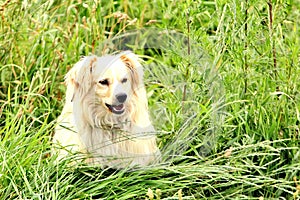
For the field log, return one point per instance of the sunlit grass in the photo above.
(256, 153)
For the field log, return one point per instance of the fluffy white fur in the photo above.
(91, 121)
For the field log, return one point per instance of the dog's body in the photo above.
(106, 113)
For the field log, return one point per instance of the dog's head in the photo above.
(113, 83)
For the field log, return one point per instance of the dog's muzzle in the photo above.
(118, 108)
(121, 97)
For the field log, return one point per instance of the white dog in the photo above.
(106, 113)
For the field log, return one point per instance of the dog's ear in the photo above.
(139, 115)
(70, 80)
(131, 61)
(84, 79)
(79, 78)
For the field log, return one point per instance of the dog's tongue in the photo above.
(118, 107)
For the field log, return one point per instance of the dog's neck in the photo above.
(112, 123)
(106, 126)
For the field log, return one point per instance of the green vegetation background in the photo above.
(255, 48)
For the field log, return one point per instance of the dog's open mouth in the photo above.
(116, 109)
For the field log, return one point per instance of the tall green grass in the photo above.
(256, 153)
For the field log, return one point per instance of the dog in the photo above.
(105, 115)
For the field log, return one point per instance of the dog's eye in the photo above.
(104, 82)
(124, 80)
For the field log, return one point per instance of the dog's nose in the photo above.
(121, 97)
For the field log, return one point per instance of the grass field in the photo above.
(229, 130)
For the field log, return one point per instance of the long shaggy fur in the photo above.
(87, 125)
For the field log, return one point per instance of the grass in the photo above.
(235, 135)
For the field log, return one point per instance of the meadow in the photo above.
(222, 88)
